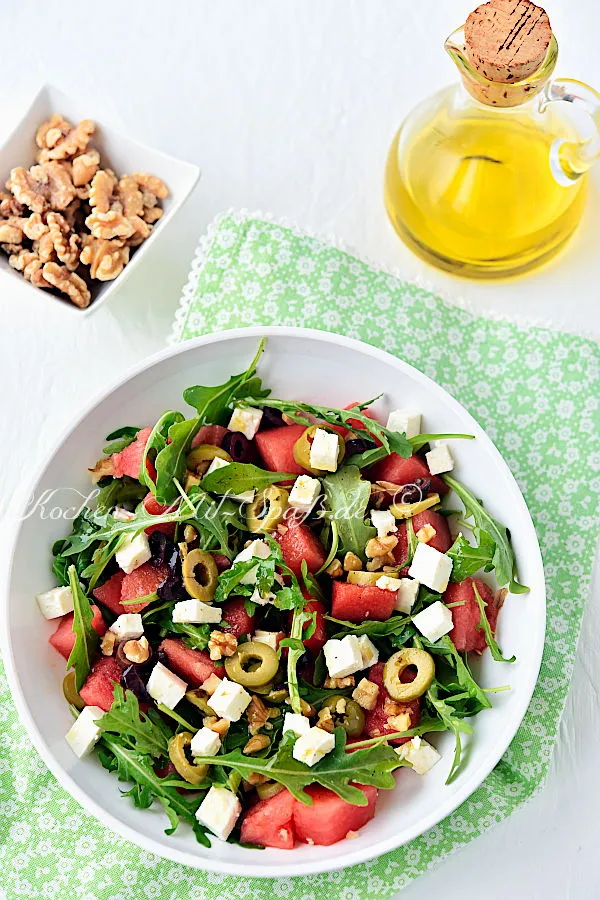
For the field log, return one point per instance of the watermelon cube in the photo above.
(299, 542)
(270, 822)
(376, 720)
(210, 434)
(194, 666)
(404, 471)
(276, 448)
(63, 639)
(129, 460)
(157, 509)
(142, 581)
(109, 594)
(357, 602)
(466, 634)
(316, 642)
(236, 617)
(329, 819)
(442, 539)
(99, 685)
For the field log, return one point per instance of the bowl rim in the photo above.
(310, 867)
(119, 281)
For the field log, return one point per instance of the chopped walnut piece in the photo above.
(137, 651)
(141, 230)
(109, 225)
(339, 683)
(68, 283)
(51, 131)
(108, 642)
(211, 684)
(130, 196)
(70, 144)
(325, 720)
(35, 227)
(392, 707)
(258, 714)
(153, 215)
(66, 244)
(101, 190)
(152, 184)
(352, 562)
(400, 722)
(44, 247)
(104, 468)
(85, 167)
(221, 644)
(220, 726)
(425, 534)
(106, 259)
(44, 186)
(28, 262)
(365, 693)
(11, 248)
(9, 206)
(256, 743)
(11, 230)
(334, 569)
(380, 546)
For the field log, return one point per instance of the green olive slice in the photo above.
(346, 713)
(395, 666)
(205, 453)
(70, 691)
(268, 790)
(198, 698)
(178, 745)
(304, 443)
(200, 574)
(267, 509)
(252, 665)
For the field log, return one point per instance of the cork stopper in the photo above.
(507, 40)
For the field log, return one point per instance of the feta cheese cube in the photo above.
(407, 594)
(246, 420)
(343, 657)
(261, 599)
(219, 811)
(324, 451)
(270, 638)
(304, 493)
(258, 549)
(196, 612)
(434, 621)
(218, 463)
(439, 459)
(368, 650)
(230, 700)
(431, 568)
(165, 686)
(122, 515)
(128, 626)
(134, 552)
(295, 722)
(405, 420)
(311, 747)
(84, 733)
(420, 754)
(387, 583)
(383, 521)
(205, 743)
(55, 603)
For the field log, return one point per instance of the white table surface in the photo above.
(289, 106)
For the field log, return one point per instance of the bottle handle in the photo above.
(570, 160)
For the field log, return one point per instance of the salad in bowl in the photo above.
(270, 607)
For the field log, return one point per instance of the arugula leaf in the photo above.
(239, 477)
(295, 651)
(213, 404)
(194, 636)
(148, 786)
(118, 492)
(212, 520)
(425, 726)
(335, 541)
(504, 561)
(120, 439)
(374, 454)
(468, 559)
(346, 499)
(485, 626)
(85, 527)
(371, 765)
(317, 695)
(445, 647)
(86, 637)
(167, 448)
(302, 413)
(231, 580)
(313, 588)
(392, 626)
(452, 723)
(135, 729)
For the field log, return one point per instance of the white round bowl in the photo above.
(300, 364)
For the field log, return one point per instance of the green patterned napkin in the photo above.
(536, 393)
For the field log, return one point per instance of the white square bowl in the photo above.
(120, 153)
